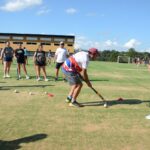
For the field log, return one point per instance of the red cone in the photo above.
(120, 99)
(50, 95)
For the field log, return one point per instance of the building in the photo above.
(31, 41)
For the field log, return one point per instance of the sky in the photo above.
(103, 24)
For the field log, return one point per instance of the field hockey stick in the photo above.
(102, 98)
(98, 94)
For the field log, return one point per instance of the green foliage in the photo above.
(112, 55)
(131, 53)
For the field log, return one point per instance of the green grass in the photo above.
(32, 122)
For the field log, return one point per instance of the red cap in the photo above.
(94, 51)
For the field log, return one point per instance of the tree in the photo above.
(131, 53)
(114, 55)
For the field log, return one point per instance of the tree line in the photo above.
(112, 55)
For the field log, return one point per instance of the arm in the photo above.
(13, 52)
(2, 53)
(14, 55)
(34, 57)
(45, 58)
(85, 77)
(67, 54)
(55, 56)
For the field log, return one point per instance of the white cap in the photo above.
(61, 43)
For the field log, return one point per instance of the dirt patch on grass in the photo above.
(123, 88)
(108, 75)
(95, 127)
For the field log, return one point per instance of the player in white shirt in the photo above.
(75, 69)
(60, 56)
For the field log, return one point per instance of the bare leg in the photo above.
(44, 72)
(18, 65)
(75, 90)
(24, 69)
(38, 71)
(9, 65)
(27, 60)
(5, 68)
(57, 71)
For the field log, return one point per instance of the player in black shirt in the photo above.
(19, 54)
(40, 62)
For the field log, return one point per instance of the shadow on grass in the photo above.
(116, 102)
(94, 80)
(15, 144)
(1, 88)
(94, 103)
(51, 78)
(127, 102)
(44, 85)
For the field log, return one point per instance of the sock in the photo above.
(73, 100)
(69, 97)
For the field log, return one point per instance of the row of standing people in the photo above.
(39, 59)
(74, 68)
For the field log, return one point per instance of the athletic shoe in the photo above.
(56, 79)
(64, 80)
(46, 80)
(8, 76)
(147, 117)
(68, 100)
(4, 76)
(75, 104)
(38, 79)
(27, 77)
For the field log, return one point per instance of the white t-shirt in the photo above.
(82, 58)
(61, 54)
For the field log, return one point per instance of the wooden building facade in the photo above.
(31, 41)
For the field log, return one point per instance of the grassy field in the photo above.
(39, 122)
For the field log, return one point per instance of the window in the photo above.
(2, 42)
(45, 39)
(17, 42)
(17, 38)
(56, 44)
(59, 39)
(70, 40)
(46, 43)
(5, 37)
(31, 38)
(31, 43)
(70, 45)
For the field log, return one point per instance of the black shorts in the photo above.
(41, 64)
(58, 65)
(8, 59)
(21, 61)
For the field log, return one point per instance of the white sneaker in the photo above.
(8, 76)
(19, 77)
(4, 76)
(38, 79)
(147, 117)
(27, 77)
(46, 80)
